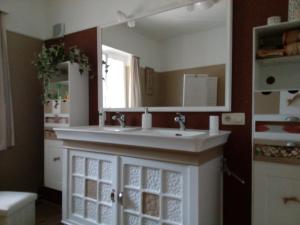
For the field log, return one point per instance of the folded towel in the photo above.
(292, 49)
(291, 36)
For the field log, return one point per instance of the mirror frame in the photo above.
(228, 72)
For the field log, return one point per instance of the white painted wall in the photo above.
(204, 48)
(126, 39)
(195, 50)
(26, 17)
(82, 14)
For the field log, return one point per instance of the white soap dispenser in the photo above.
(146, 120)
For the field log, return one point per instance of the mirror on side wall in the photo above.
(177, 60)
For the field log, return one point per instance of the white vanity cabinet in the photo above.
(117, 190)
(276, 194)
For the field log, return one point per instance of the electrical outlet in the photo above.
(233, 118)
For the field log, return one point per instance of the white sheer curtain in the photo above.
(134, 83)
(6, 112)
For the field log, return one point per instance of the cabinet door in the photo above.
(53, 164)
(276, 190)
(92, 188)
(154, 193)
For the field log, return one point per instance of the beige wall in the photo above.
(21, 168)
(168, 86)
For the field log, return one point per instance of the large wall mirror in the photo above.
(176, 60)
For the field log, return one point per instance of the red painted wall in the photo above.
(246, 15)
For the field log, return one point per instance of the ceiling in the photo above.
(183, 21)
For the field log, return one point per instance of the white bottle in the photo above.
(146, 120)
(213, 125)
(102, 118)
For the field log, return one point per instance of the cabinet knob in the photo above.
(120, 198)
(286, 200)
(56, 159)
(112, 195)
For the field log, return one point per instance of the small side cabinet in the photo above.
(276, 194)
(53, 164)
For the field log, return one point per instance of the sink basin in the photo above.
(156, 138)
(172, 132)
(118, 129)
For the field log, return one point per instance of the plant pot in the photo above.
(56, 106)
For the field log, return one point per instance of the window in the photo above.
(114, 70)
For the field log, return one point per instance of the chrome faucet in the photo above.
(180, 118)
(120, 118)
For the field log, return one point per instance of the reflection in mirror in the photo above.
(177, 58)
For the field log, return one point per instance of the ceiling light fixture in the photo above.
(122, 17)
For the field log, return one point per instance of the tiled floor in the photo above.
(48, 213)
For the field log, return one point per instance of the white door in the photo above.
(92, 188)
(276, 194)
(154, 193)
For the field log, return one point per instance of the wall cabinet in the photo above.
(276, 123)
(276, 194)
(69, 108)
(117, 190)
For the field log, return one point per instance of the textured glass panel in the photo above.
(77, 206)
(130, 219)
(104, 192)
(92, 168)
(151, 204)
(132, 200)
(151, 179)
(78, 165)
(91, 210)
(106, 170)
(91, 189)
(105, 215)
(172, 183)
(172, 209)
(78, 185)
(149, 222)
(132, 176)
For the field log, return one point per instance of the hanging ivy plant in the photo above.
(48, 59)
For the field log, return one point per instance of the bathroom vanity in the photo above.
(174, 180)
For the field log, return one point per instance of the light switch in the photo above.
(233, 118)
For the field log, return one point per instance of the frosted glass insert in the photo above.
(104, 192)
(78, 185)
(149, 222)
(172, 183)
(91, 210)
(151, 179)
(92, 168)
(132, 176)
(106, 170)
(132, 200)
(77, 206)
(78, 165)
(130, 219)
(172, 209)
(105, 215)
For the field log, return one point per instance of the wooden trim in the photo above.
(277, 160)
(148, 153)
